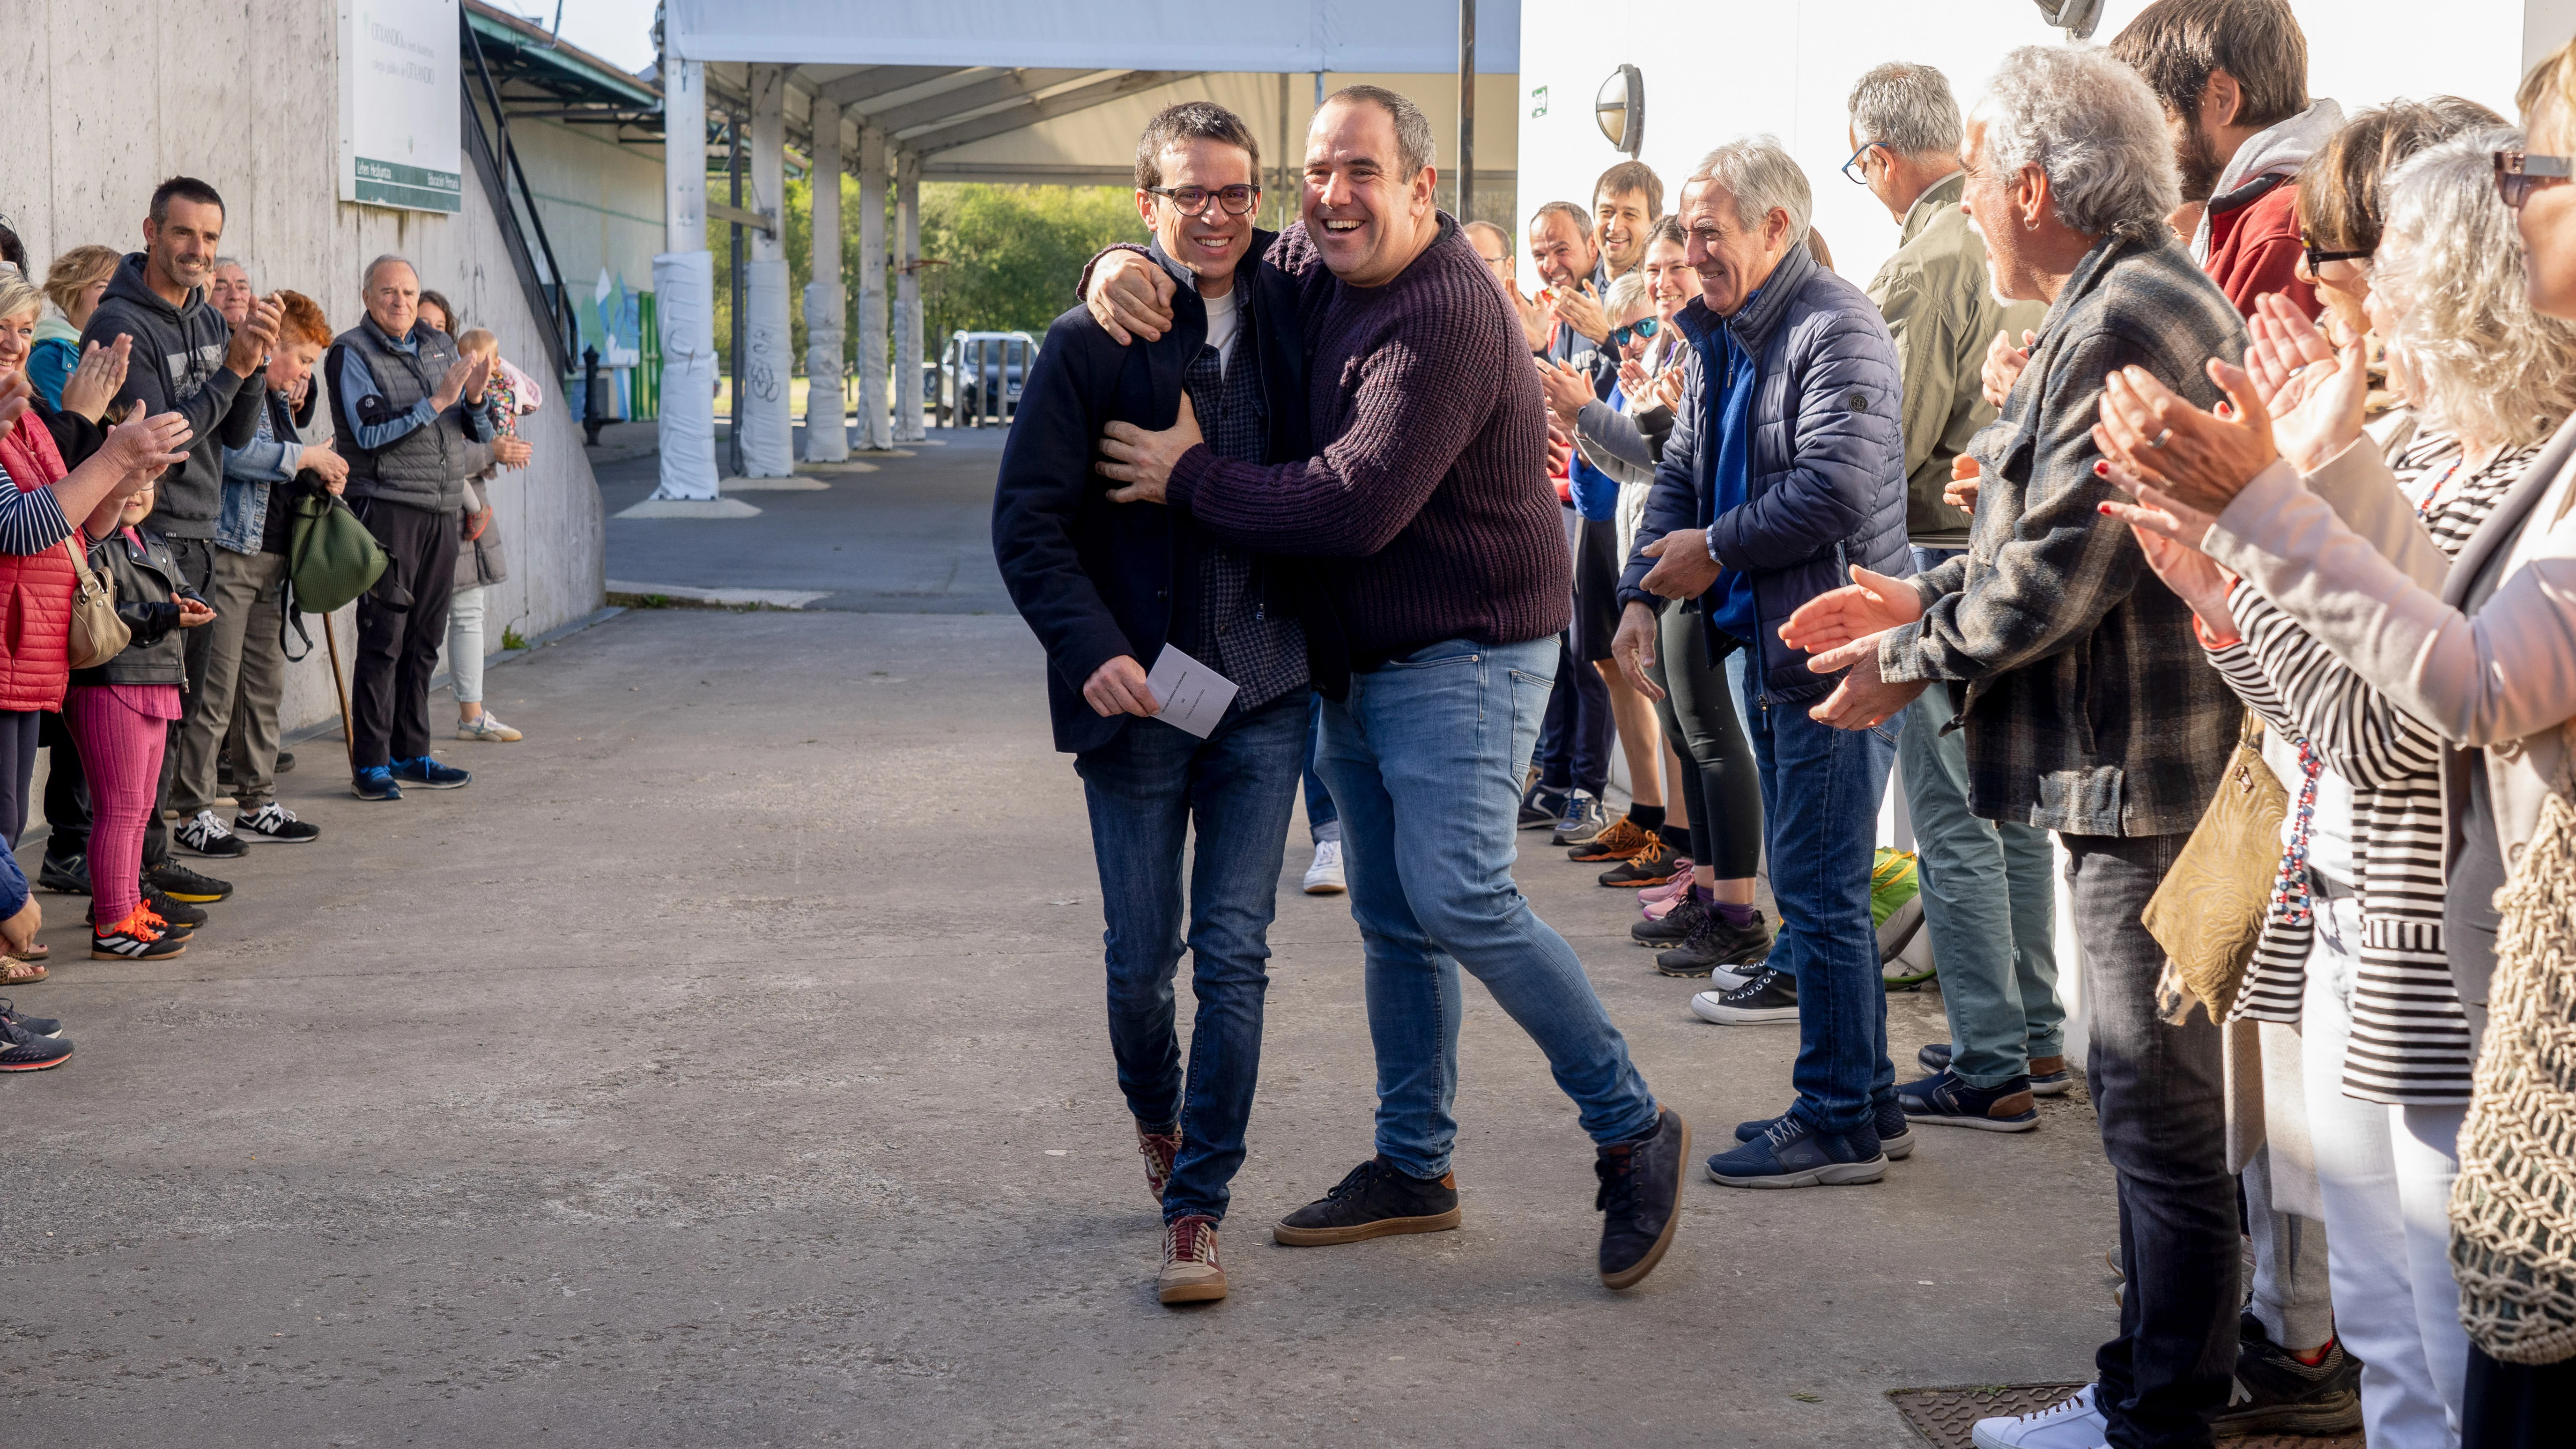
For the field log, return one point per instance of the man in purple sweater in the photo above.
(1446, 562)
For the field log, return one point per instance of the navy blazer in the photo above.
(1096, 579)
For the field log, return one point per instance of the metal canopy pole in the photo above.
(1466, 111)
(733, 262)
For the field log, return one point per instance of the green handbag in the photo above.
(331, 558)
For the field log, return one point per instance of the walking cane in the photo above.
(348, 736)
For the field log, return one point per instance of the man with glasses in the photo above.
(1109, 590)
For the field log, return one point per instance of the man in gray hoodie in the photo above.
(186, 360)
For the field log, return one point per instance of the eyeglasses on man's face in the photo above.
(1237, 200)
(1856, 170)
(1642, 327)
(2518, 174)
(2318, 257)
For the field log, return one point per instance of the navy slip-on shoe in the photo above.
(1793, 1155)
(1895, 1137)
(1946, 1101)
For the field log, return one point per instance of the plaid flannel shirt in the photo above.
(2089, 704)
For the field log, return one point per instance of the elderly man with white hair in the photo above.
(1785, 462)
(2089, 708)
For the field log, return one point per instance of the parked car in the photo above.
(979, 375)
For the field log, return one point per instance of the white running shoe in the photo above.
(484, 727)
(1324, 877)
(2072, 1424)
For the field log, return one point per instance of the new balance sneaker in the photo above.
(1654, 864)
(273, 821)
(2067, 1424)
(1946, 1101)
(2274, 1393)
(1191, 1273)
(1672, 928)
(1641, 1188)
(1791, 1154)
(22, 1050)
(1540, 808)
(1618, 840)
(206, 835)
(486, 728)
(1718, 942)
(1374, 1200)
(66, 874)
(182, 916)
(1583, 819)
(1159, 1149)
(1770, 996)
(426, 772)
(138, 937)
(182, 884)
(39, 1025)
(375, 782)
(2049, 1076)
(1895, 1135)
(1324, 877)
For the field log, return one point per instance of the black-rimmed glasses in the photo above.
(1193, 200)
(1642, 327)
(2518, 174)
(1860, 176)
(2318, 258)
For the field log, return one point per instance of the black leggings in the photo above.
(1719, 785)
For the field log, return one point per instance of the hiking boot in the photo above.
(1674, 927)
(1792, 1154)
(136, 938)
(1718, 942)
(182, 884)
(1191, 1273)
(2067, 1424)
(1375, 1200)
(1159, 1149)
(1945, 1100)
(2049, 1076)
(1651, 866)
(206, 835)
(375, 782)
(486, 728)
(1639, 1200)
(1618, 840)
(1769, 996)
(181, 916)
(67, 875)
(1895, 1134)
(22, 1050)
(37, 1025)
(1583, 819)
(2274, 1393)
(1324, 877)
(273, 821)
(427, 773)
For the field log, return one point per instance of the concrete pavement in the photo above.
(726, 1067)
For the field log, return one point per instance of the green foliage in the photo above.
(511, 638)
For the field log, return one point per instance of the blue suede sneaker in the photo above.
(2049, 1076)
(426, 772)
(1946, 1101)
(1895, 1137)
(1791, 1154)
(375, 782)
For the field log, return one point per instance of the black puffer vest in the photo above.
(425, 468)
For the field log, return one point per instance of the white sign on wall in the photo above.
(399, 119)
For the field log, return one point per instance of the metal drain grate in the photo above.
(1944, 1416)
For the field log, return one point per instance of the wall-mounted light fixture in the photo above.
(2076, 17)
(1621, 109)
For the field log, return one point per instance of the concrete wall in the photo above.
(601, 203)
(100, 102)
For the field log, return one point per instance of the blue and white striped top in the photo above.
(29, 522)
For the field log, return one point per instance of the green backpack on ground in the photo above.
(331, 558)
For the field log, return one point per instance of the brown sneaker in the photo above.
(1159, 1149)
(1618, 840)
(1190, 1273)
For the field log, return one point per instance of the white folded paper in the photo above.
(1193, 696)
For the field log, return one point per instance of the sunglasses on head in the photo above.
(2518, 174)
(2317, 258)
(1642, 327)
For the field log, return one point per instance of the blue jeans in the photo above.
(1323, 822)
(1989, 901)
(1145, 789)
(1424, 760)
(1820, 792)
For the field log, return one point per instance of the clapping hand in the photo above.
(16, 395)
(248, 351)
(1869, 605)
(2199, 459)
(1537, 314)
(194, 612)
(2314, 392)
(1566, 391)
(142, 446)
(2004, 364)
(1579, 307)
(1967, 477)
(464, 378)
(93, 384)
(1683, 569)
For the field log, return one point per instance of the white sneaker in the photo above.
(484, 727)
(2073, 1424)
(1324, 877)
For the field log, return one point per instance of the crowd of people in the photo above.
(168, 454)
(1805, 535)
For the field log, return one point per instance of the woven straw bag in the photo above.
(2513, 1211)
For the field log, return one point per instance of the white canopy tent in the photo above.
(1001, 90)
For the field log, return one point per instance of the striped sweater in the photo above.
(2410, 1042)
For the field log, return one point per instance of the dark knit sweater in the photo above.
(1430, 501)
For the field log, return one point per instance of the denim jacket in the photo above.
(251, 474)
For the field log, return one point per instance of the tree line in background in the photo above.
(997, 258)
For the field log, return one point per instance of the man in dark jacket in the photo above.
(408, 415)
(186, 359)
(1786, 465)
(1111, 591)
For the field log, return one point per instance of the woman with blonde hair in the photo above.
(74, 283)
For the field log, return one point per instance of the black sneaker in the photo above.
(182, 884)
(206, 835)
(2274, 1393)
(182, 917)
(24, 1051)
(1639, 1200)
(273, 821)
(40, 1025)
(1674, 928)
(1651, 866)
(1376, 1200)
(1770, 996)
(1540, 808)
(136, 938)
(1793, 1155)
(1895, 1134)
(1718, 942)
(66, 875)
(285, 762)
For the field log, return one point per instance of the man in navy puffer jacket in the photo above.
(1785, 467)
